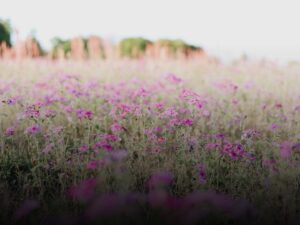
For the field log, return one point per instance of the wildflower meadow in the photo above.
(136, 141)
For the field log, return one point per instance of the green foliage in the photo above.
(177, 45)
(133, 47)
(5, 32)
(59, 43)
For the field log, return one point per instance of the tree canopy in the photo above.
(5, 32)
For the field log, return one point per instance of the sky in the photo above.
(225, 28)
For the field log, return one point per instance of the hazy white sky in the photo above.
(228, 28)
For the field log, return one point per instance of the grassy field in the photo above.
(145, 142)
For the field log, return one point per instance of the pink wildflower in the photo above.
(173, 79)
(286, 149)
(48, 148)
(10, 131)
(81, 113)
(202, 174)
(116, 127)
(187, 122)
(85, 190)
(274, 127)
(83, 148)
(34, 129)
(92, 165)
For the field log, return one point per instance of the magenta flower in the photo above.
(110, 137)
(11, 101)
(234, 151)
(116, 127)
(141, 92)
(50, 113)
(84, 191)
(187, 122)
(88, 114)
(48, 148)
(202, 174)
(34, 129)
(172, 78)
(158, 105)
(220, 136)
(286, 149)
(92, 165)
(83, 148)
(211, 146)
(102, 144)
(170, 112)
(297, 108)
(10, 131)
(278, 105)
(84, 114)
(274, 127)
(296, 146)
(250, 133)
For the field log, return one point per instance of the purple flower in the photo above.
(11, 101)
(107, 147)
(278, 105)
(286, 149)
(26, 208)
(34, 129)
(109, 137)
(234, 151)
(116, 127)
(103, 144)
(202, 174)
(92, 165)
(83, 148)
(50, 113)
(48, 148)
(220, 136)
(274, 127)
(172, 78)
(81, 114)
(250, 133)
(84, 190)
(10, 131)
(297, 108)
(211, 146)
(187, 122)
(296, 146)
(170, 112)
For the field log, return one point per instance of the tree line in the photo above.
(94, 47)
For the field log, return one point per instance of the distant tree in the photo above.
(58, 43)
(5, 32)
(133, 47)
(32, 37)
(175, 46)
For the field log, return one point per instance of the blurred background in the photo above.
(229, 30)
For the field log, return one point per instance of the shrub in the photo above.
(133, 47)
(175, 46)
(59, 43)
(5, 32)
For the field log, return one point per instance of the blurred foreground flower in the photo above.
(34, 129)
(25, 209)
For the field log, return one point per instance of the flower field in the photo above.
(148, 142)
